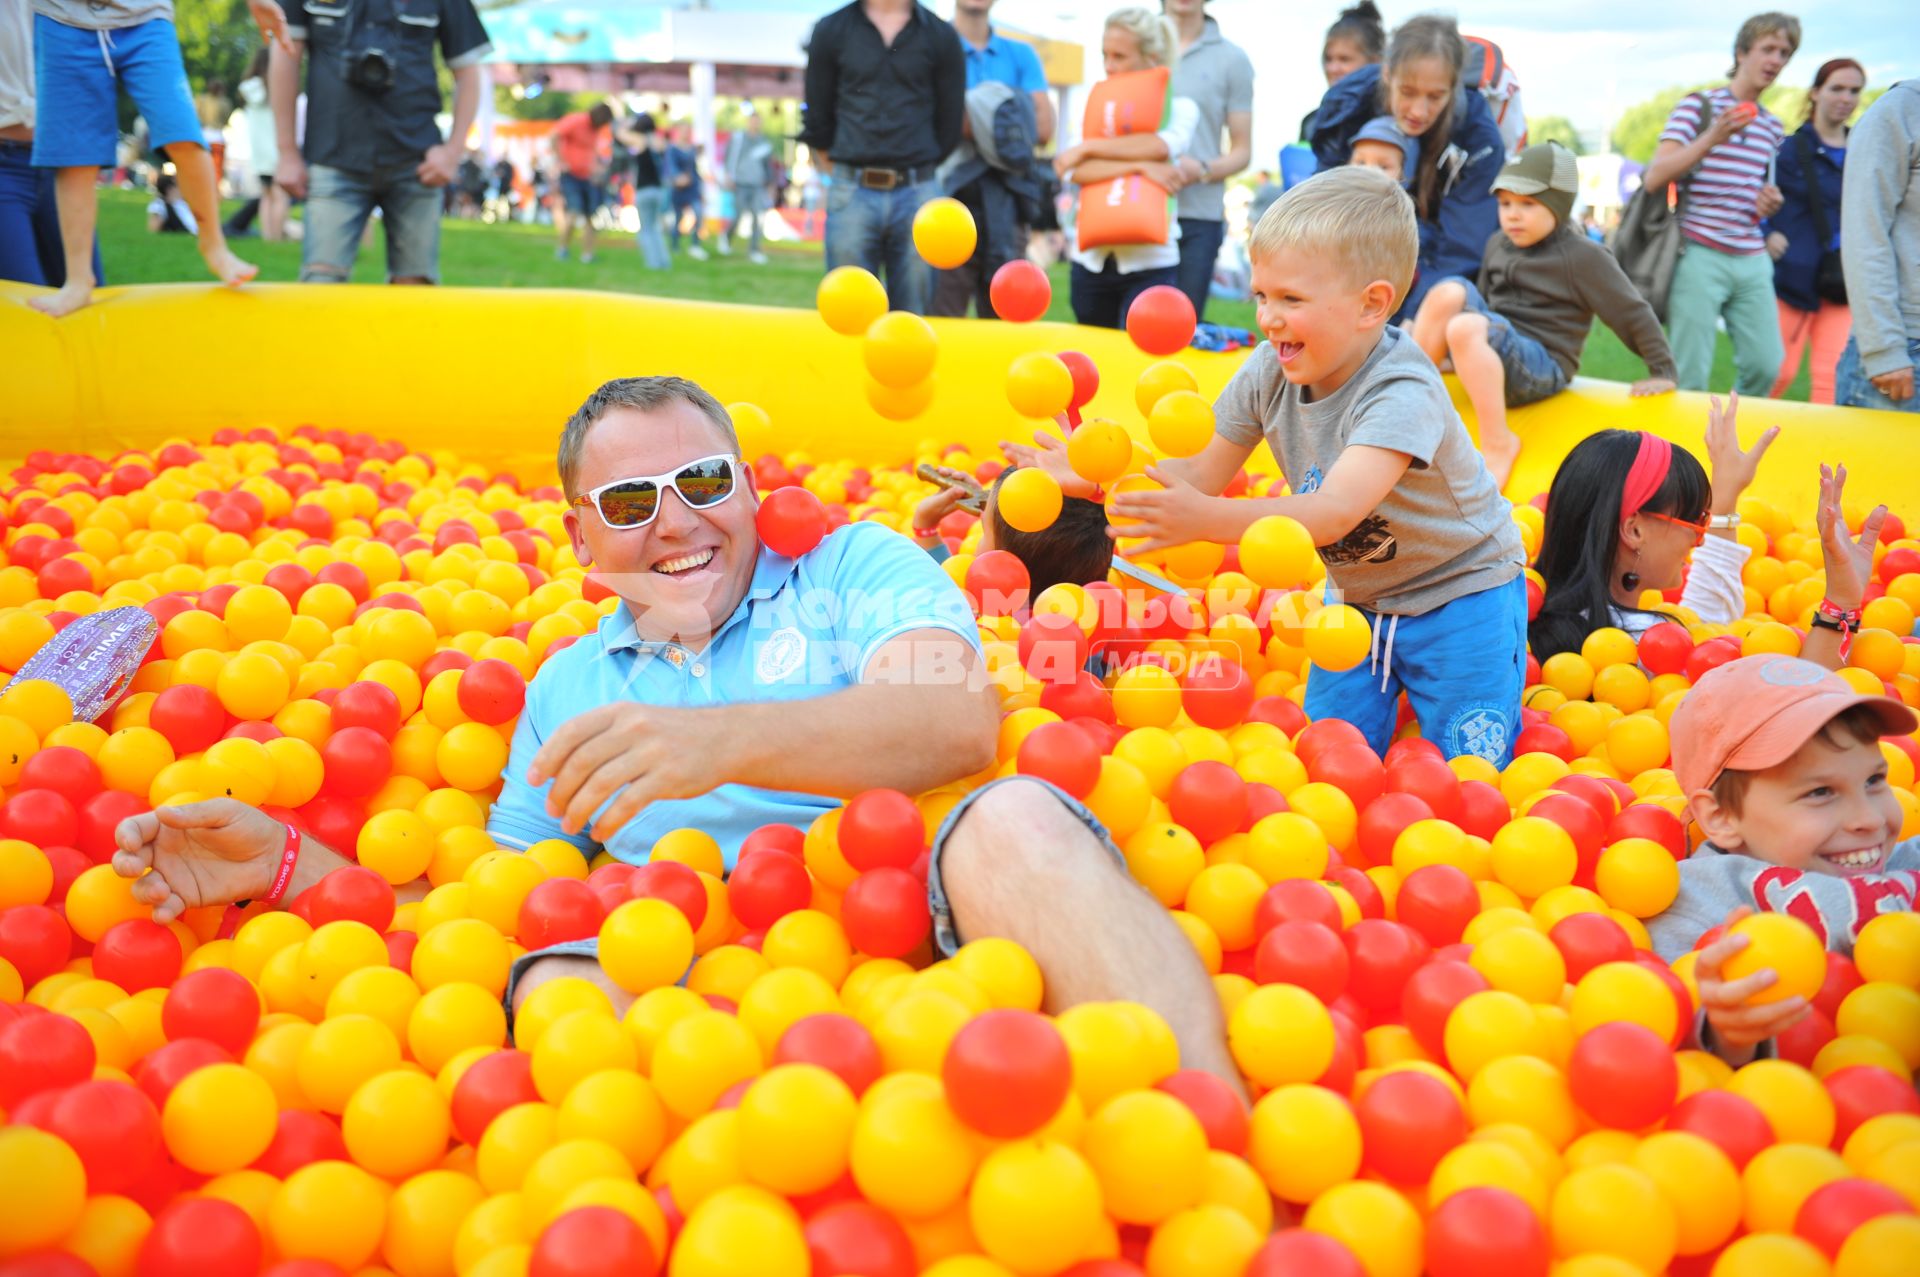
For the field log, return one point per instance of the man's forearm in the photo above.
(1134, 146)
(910, 738)
(466, 103)
(283, 93)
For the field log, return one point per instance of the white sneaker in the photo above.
(586, 259)
(697, 253)
(724, 245)
(758, 259)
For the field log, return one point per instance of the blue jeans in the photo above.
(581, 194)
(650, 202)
(1532, 373)
(1852, 389)
(339, 203)
(30, 244)
(1101, 299)
(1463, 665)
(1200, 240)
(874, 230)
(684, 198)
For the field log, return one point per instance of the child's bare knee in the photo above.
(1466, 330)
(1445, 297)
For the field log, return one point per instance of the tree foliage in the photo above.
(1554, 128)
(217, 40)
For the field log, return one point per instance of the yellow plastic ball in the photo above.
(849, 299)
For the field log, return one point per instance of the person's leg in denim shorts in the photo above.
(339, 203)
(1852, 388)
(1020, 859)
(411, 211)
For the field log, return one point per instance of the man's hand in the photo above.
(1739, 1027)
(440, 165)
(1848, 562)
(1723, 126)
(1049, 453)
(1776, 245)
(1168, 177)
(290, 174)
(1769, 201)
(1896, 385)
(272, 21)
(1733, 466)
(206, 853)
(1650, 386)
(1175, 515)
(639, 753)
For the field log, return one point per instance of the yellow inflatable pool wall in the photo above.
(492, 374)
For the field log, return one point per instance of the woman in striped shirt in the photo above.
(1722, 144)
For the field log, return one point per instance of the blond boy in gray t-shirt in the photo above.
(1382, 473)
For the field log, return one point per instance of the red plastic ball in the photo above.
(1710, 656)
(1209, 798)
(114, 1128)
(1086, 379)
(351, 894)
(42, 1053)
(791, 521)
(1430, 996)
(1306, 954)
(837, 1043)
(1382, 821)
(491, 691)
(1161, 320)
(781, 838)
(65, 771)
(1438, 901)
(766, 886)
(1062, 755)
(163, 1068)
(41, 817)
(1408, 1121)
(138, 954)
(200, 1237)
(1485, 1230)
(1385, 954)
(885, 913)
(668, 880)
(366, 704)
(357, 760)
(1299, 1253)
(1841, 979)
(1732, 1122)
(593, 1241)
(189, 716)
(997, 582)
(1084, 696)
(1007, 1072)
(1296, 900)
(1020, 292)
(1831, 1212)
(1623, 1075)
(1644, 820)
(1800, 1041)
(36, 940)
(1217, 694)
(1664, 648)
(1279, 711)
(881, 828)
(300, 1139)
(1429, 779)
(1589, 940)
(1222, 1114)
(859, 1237)
(100, 816)
(1582, 823)
(1325, 734)
(1053, 647)
(1861, 1091)
(559, 910)
(212, 1003)
(493, 1084)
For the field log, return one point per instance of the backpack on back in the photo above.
(1487, 72)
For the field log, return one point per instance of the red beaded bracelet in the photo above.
(282, 879)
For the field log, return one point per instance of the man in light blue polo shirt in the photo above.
(991, 59)
(733, 687)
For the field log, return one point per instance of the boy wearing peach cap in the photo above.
(1781, 764)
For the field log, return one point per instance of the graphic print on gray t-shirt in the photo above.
(1443, 532)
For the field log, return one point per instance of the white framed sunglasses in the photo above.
(635, 502)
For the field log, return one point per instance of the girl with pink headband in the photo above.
(1625, 511)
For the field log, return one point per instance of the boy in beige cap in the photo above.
(1783, 771)
(1516, 336)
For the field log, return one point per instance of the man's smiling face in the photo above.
(683, 574)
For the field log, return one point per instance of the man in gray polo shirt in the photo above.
(1218, 76)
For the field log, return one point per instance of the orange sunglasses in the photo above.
(1700, 529)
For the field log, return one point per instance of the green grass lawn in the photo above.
(519, 256)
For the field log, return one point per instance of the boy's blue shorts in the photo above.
(1532, 373)
(1463, 666)
(76, 75)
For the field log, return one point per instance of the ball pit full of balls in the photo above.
(1436, 976)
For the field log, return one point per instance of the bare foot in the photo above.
(1500, 455)
(227, 268)
(75, 294)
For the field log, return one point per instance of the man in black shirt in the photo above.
(886, 91)
(371, 140)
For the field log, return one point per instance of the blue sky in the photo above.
(1584, 59)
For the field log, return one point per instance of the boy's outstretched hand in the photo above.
(1175, 515)
(1738, 1026)
(1049, 452)
(1650, 386)
(1848, 562)
(1733, 467)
